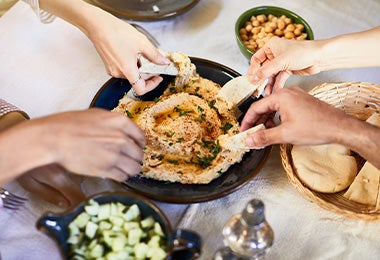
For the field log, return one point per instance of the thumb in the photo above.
(263, 138)
(155, 56)
(269, 69)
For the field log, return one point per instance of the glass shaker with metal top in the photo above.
(247, 235)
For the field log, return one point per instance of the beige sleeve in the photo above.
(45, 17)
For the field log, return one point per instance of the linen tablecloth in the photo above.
(52, 68)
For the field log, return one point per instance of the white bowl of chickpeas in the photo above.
(256, 26)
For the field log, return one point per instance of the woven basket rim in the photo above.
(359, 99)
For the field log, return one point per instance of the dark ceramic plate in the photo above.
(235, 177)
(143, 10)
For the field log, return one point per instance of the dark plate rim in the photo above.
(144, 17)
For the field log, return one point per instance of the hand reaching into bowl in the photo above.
(279, 58)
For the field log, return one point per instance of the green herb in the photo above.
(180, 140)
(169, 133)
(227, 126)
(129, 114)
(200, 109)
(155, 99)
(175, 162)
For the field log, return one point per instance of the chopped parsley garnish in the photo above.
(227, 126)
(175, 162)
(129, 114)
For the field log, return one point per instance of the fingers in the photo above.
(152, 83)
(280, 80)
(134, 132)
(264, 138)
(262, 107)
(155, 56)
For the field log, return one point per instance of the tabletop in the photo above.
(49, 68)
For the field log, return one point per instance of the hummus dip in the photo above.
(183, 127)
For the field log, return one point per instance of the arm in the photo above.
(280, 58)
(305, 120)
(117, 42)
(109, 145)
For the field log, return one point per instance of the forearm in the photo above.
(21, 151)
(362, 138)
(356, 50)
(77, 12)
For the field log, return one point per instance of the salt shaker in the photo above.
(248, 235)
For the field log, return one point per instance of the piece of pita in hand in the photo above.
(324, 168)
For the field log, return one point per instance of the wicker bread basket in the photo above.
(355, 98)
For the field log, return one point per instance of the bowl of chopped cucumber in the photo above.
(118, 225)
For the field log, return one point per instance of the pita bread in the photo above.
(324, 168)
(152, 68)
(238, 89)
(365, 188)
(237, 142)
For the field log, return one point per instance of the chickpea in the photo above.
(297, 32)
(244, 37)
(289, 35)
(279, 32)
(261, 18)
(255, 23)
(259, 29)
(243, 31)
(255, 30)
(300, 26)
(290, 28)
(248, 27)
(273, 25)
(261, 35)
(281, 24)
(268, 28)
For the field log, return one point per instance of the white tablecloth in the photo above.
(52, 68)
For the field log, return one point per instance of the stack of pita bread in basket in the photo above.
(331, 175)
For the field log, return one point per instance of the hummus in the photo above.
(183, 127)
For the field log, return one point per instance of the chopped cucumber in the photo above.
(115, 231)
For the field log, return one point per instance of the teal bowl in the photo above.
(181, 244)
(276, 11)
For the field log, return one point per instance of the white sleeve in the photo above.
(44, 16)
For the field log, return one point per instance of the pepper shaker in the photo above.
(247, 234)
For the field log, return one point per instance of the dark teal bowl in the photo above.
(181, 244)
(276, 11)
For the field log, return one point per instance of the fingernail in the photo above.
(164, 60)
(249, 141)
(254, 79)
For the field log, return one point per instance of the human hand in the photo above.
(54, 184)
(93, 142)
(119, 45)
(305, 120)
(279, 58)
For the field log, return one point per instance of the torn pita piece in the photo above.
(149, 67)
(237, 141)
(238, 89)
